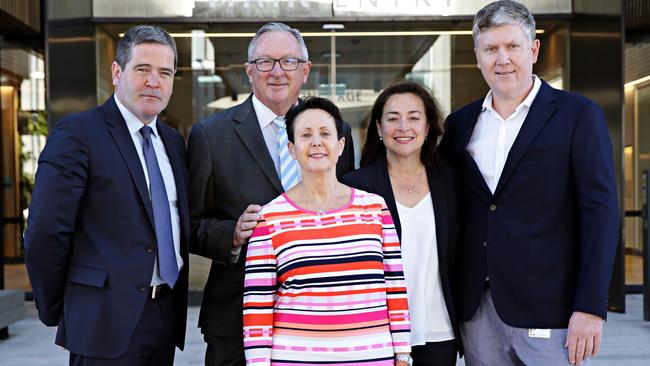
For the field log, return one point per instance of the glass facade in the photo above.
(22, 102)
(22, 94)
(636, 152)
(637, 161)
(372, 44)
(350, 66)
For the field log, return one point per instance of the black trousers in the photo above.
(152, 342)
(224, 351)
(434, 354)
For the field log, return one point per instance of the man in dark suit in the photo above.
(540, 203)
(238, 161)
(106, 245)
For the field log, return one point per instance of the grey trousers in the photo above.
(490, 342)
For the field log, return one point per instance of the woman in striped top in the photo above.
(323, 280)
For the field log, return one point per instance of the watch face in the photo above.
(404, 358)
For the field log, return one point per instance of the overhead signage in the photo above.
(304, 9)
(434, 8)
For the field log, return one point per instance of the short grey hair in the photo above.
(503, 12)
(142, 34)
(277, 27)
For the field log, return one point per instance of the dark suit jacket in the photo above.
(90, 233)
(374, 178)
(231, 168)
(547, 236)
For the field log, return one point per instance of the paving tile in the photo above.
(626, 341)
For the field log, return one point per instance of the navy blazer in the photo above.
(374, 178)
(547, 236)
(90, 240)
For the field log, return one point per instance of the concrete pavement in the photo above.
(626, 341)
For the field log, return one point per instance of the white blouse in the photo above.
(429, 318)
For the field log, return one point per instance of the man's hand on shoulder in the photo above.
(245, 225)
(583, 336)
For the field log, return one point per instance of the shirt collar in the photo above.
(526, 103)
(133, 123)
(265, 115)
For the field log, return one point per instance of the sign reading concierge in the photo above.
(346, 99)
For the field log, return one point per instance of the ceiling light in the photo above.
(637, 81)
(338, 34)
(333, 26)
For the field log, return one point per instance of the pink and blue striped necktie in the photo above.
(289, 169)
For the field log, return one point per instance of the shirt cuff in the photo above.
(234, 254)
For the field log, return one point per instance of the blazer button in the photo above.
(143, 288)
(485, 244)
(149, 249)
(493, 207)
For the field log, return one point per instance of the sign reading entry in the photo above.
(391, 7)
(304, 9)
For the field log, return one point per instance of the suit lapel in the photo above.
(120, 134)
(384, 189)
(474, 171)
(251, 135)
(441, 212)
(540, 112)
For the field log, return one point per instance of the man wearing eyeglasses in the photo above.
(238, 161)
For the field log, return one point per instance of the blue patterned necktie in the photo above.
(289, 169)
(167, 266)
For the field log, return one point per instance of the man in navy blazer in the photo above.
(540, 205)
(106, 245)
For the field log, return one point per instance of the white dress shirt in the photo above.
(134, 125)
(265, 117)
(493, 136)
(429, 317)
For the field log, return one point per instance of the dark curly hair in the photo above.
(314, 103)
(375, 150)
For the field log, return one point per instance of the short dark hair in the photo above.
(142, 34)
(314, 103)
(374, 149)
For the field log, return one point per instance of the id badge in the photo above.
(539, 333)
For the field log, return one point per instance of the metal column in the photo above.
(646, 246)
(4, 332)
(2, 218)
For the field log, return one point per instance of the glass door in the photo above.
(351, 65)
(637, 160)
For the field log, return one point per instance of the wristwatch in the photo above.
(404, 357)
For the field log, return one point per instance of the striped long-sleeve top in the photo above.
(323, 288)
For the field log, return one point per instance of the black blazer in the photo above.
(231, 168)
(548, 234)
(89, 238)
(374, 178)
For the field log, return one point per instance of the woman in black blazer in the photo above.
(400, 162)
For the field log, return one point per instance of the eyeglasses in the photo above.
(267, 64)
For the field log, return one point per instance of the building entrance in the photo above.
(351, 64)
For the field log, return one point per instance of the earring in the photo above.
(381, 138)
